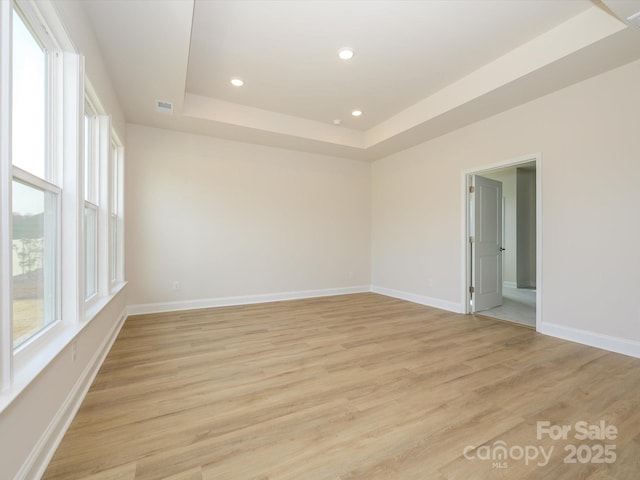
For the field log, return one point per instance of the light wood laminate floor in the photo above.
(349, 387)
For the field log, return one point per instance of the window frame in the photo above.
(37, 183)
(89, 297)
(67, 89)
(91, 198)
(115, 212)
(27, 18)
(63, 64)
(52, 181)
(6, 178)
(102, 141)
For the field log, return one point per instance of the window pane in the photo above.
(91, 250)
(29, 111)
(91, 157)
(34, 260)
(114, 247)
(113, 207)
(114, 179)
(87, 160)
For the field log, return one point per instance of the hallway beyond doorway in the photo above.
(518, 306)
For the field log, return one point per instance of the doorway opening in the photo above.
(503, 241)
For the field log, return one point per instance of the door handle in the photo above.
(502, 249)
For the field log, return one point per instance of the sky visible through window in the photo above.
(28, 110)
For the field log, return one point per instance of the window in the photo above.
(35, 195)
(34, 260)
(115, 213)
(29, 114)
(91, 169)
(60, 207)
(91, 250)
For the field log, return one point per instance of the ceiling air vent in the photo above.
(164, 107)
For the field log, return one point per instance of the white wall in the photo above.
(526, 228)
(588, 136)
(228, 219)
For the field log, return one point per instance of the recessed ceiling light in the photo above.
(356, 113)
(237, 82)
(345, 53)
(337, 121)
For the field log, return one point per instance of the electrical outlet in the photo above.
(430, 282)
(175, 286)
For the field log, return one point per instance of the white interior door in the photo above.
(487, 243)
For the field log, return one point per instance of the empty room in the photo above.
(319, 239)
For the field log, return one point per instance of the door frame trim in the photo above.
(466, 247)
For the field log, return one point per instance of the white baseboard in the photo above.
(421, 299)
(598, 340)
(241, 300)
(510, 284)
(38, 460)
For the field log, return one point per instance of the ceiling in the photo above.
(421, 68)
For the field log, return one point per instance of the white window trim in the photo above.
(118, 162)
(29, 350)
(94, 296)
(31, 179)
(34, 181)
(64, 132)
(92, 197)
(20, 365)
(93, 176)
(103, 129)
(6, 175)
(19, 368)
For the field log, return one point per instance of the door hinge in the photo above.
(472, 189)
(472, 290)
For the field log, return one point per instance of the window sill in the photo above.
(95, 305)
(52, 343)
